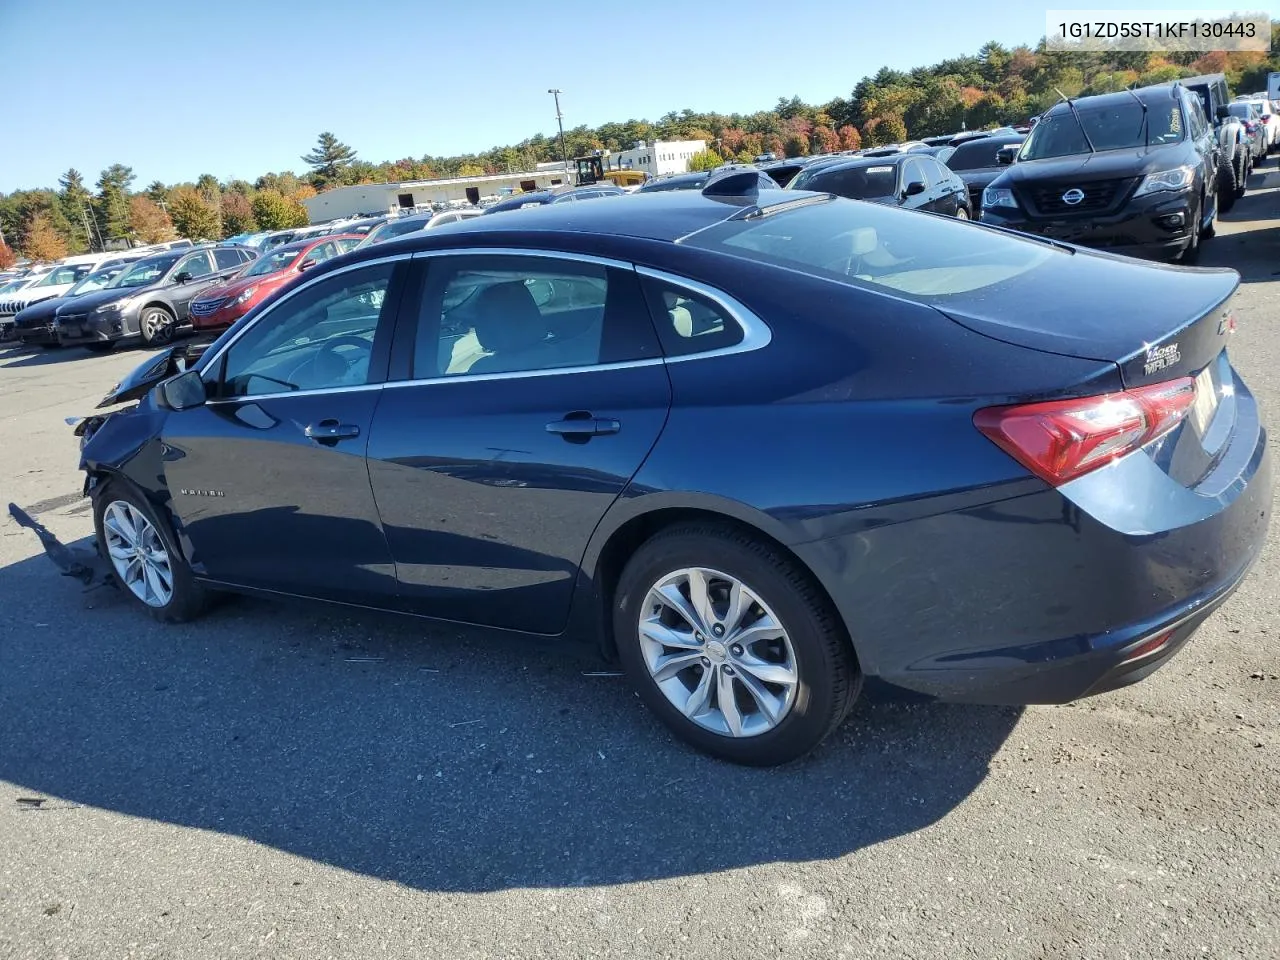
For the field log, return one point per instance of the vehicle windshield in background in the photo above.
(12, 286)
(393, 228)
(860, 183)
(146, 271)
(270, 263)
(927, 258)
(976, 154)
(1119, 127)
(98, 281)
(63, 275)
(1241, 111)
(675, 183)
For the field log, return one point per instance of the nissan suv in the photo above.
(1132, 172)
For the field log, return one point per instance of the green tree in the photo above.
(706, 160)
(208, 187)
(274, 211)
(76, 203)
(157, 192)
(193, 216)
(113, 201)
(329, 157)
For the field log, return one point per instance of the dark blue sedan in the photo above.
(761, 444)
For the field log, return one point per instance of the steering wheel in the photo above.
(329, 365)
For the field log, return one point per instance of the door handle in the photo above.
(330, 432)
(582, 425)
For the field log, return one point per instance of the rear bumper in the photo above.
(1154, 227)
(1038, 599)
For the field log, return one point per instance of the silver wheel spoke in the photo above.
(700, 599)
(667, 667)
(138, 554)
(118, 551)
(769, 704)
(700, 697)
(658, 632)
(739, 603)
(670, 595)
(779, 673)
(728, 703)
(766, 628)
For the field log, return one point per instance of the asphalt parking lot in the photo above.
(279, 780)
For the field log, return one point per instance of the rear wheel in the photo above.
(144, 555)
(157, 326)
(1226, 184)
(733, 646)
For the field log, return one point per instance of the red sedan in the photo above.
(220, 306)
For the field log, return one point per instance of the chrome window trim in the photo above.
(317, 391)
(212, 361)
(755, 332)
(525, 252)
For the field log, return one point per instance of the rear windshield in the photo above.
(977, 154)
(859, 183)
(924, 258)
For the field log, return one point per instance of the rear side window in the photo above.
(227, 258)
(688, 322)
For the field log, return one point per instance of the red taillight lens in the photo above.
(1063, 439)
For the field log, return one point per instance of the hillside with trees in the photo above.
(992, 87)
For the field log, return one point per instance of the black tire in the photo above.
(188, 599)
(105, 347)
(827, 670)
(1246, 170)
(50, 346)
(1226, 184)
(157, 325)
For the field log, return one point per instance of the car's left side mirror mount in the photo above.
(307, 264)
(914, 188)
(1007, 154)
(182, 277)
(183, 392)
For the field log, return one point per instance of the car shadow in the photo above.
(21, 356)
(436, 757)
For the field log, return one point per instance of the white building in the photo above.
(380, 198)
(657, 157)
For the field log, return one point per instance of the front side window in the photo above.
(507, 314)
(320, 338)
(64, 275)
(197, 264)
(912, 171)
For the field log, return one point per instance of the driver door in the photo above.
(268, 478)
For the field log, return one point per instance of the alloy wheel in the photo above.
(156, 326)
(138, 553)
(718, 653)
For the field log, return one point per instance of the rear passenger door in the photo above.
(526, 391)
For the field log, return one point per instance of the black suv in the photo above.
(1133, 172)
(150, 299)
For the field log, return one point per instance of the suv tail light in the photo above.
(1064, 439)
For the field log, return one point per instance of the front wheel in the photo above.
(733, 645)
(157, 326)
(144, 554)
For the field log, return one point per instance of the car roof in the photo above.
(1162, 91)
(666, 215)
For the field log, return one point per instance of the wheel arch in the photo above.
(624, 531)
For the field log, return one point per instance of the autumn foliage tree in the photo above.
(7, 257)
(42, 241)
(193, 216)
(150, 223)
(237, 215)
(850, 138)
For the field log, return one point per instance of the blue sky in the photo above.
(237, 88)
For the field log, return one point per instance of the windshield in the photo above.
(859, 183)
(977, 154)
(146, 272)
(97, 281)
(61, 276)
(1115, 127)
(271, 262)
(13, 285)
(927, 258)
(1242, 110)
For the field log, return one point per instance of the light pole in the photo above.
(564, 154)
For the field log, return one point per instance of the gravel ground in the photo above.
(285, 781)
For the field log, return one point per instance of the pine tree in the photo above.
(113, 201)
(77, 206)
(329, 158)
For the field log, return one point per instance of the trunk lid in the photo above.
(1154, 322)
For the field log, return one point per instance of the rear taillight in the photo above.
(1063, 439)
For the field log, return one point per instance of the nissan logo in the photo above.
(1073, 196)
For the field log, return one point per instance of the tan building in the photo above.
(380, 198)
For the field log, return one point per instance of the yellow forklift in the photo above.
(591, 170)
